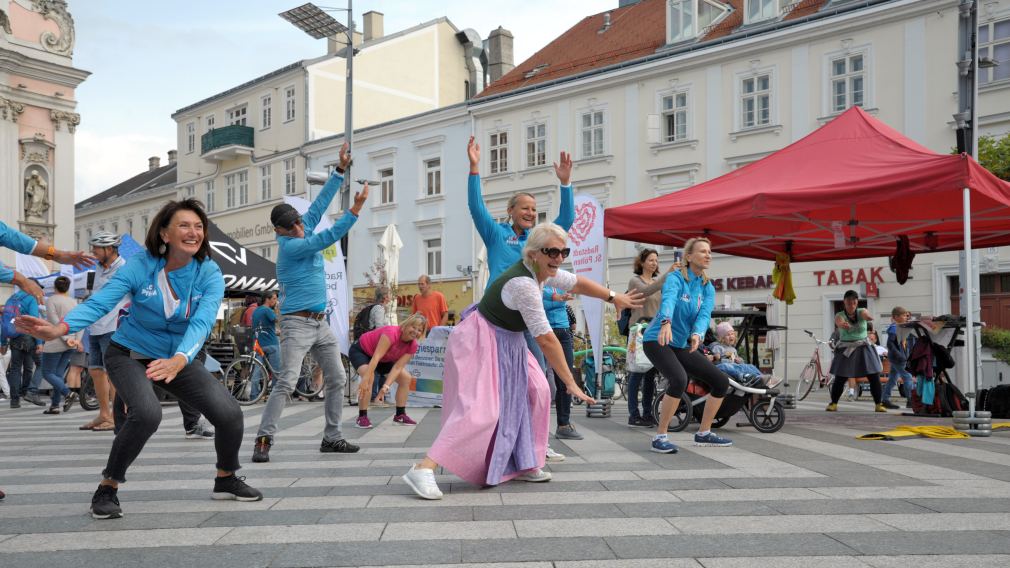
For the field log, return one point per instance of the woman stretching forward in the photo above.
(386, 351)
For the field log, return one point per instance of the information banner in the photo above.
(426, 368)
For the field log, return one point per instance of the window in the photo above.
(210, 197)
(689, 18)
(289, 176)
(267, 252)
(433, 177)
(237, 116)
(115, 227)
(499, 155)
(433, 253)
(674, 107)
(755, 101)
(189, 191)
(243, 187)
(190, 137)
(77, 240)
(265, 182)
(592, 133)
(210, 122)
(144, 220)
(289, 104)
(758, 10)
(229, 191)
(994, 42)
(89, 236)
(267, 112)
(536, 145)
(386, 186)
(848, 82)
(129, 227)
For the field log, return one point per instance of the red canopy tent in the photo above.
(847, 190)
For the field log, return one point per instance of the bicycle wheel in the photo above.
(310, 381)
(620, 383)
(806, 381)
(238, 376)
(89, 400)
(353, 380)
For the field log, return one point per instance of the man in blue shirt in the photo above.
(264, 323)
(304, 327)
(23, 347)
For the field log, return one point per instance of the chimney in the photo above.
(172, 155)
(499, 57)
(153, 163)
(373, 25)
(623, 3)
(606, 23)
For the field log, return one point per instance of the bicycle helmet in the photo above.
(106, 239)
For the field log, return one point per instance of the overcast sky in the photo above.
(149, 59)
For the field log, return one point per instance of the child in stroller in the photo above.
(724, 355)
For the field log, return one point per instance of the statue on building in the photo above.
(36, 198)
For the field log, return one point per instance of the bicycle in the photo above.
(237, 377)
(813, 372)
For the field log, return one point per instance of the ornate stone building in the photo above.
(37, 119)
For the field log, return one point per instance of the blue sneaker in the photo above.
(662, 445)
(711, 439)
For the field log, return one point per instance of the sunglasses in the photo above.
(554, 252)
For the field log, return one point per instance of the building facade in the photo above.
(37, 120)
(240, 151)
(727, 83)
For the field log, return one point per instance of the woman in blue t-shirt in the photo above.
(176, 290)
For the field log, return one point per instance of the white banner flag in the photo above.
(589, 250)
(337, 300)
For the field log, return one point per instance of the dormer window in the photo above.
(760, 10)
(687, 19)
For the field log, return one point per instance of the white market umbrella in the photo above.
(391, 245)
(482, 274)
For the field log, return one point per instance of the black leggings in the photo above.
(675, 364)
(838, 386)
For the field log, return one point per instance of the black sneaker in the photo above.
(34, 398)
(69, 401)
(200, 432)
(105, 503)
(340, 446)
(261, 451)
(234, 488)
(15, 403)
(889, 404)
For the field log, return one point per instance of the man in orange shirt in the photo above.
(430, 303)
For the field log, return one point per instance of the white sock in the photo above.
(705, 433)
(659, 437)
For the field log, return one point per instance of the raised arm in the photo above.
(482, 219)
(315, 242)
(322, 201)
(566, 214)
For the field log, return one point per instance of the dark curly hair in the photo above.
(640, 261)
(153, 240)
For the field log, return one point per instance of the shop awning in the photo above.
(847, 190)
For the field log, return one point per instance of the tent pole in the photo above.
(785, 351)
(969, 299)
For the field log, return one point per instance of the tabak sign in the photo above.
(848, 277)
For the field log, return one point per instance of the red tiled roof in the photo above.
(635, 31)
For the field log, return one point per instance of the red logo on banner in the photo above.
(585, 216)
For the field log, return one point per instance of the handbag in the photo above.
(636, 361)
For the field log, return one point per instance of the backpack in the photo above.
(12, 309)
(361, 325)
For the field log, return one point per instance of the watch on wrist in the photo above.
(612, 296)
(51, 253)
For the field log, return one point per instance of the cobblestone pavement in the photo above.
(809, 495)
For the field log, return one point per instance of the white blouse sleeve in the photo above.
(563, 280)
(523, 294)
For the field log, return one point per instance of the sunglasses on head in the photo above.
(554, 252)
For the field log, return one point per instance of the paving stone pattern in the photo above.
(809, 495)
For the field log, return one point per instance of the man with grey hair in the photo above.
(377, 317)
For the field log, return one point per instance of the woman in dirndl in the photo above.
(496, 400)
(854, 356)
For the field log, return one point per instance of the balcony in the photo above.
(227, 143)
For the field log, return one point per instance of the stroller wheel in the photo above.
(767, 418)
(720, 421)
(681, 418)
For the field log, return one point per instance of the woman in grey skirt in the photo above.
(855, 356)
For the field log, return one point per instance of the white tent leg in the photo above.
(969, 308)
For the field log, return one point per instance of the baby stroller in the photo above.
(760, 404)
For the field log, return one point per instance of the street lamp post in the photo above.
(314, 21)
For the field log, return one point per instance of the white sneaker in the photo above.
(554, 457)
(535, 476)
(422, 481)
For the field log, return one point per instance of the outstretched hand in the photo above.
(359, 200)
(37, 327)
(473, 152)
(564, 169)
(633, 299)
(576, 392)
(345, 156)
(78, 259)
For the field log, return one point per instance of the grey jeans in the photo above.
(300, 335)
